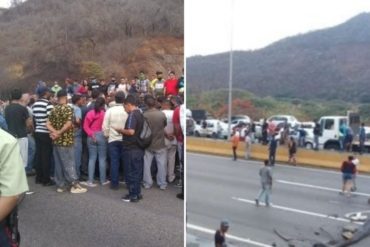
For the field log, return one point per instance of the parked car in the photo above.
(278, 119)
(209, 128)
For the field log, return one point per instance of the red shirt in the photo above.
(176, 122)
(171, 87)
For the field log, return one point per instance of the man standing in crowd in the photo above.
(13, 181)
(157, 85)
(179, 127)
(112, 85)
(157, 149)
(171, 85)
(77, 121)
(133, 154)
(41, 110)
(170, 140)
(60, 125)
(220, 235)
(143, 84)
(18, 118)
(317, 134)
(266, 184)
(115, 118)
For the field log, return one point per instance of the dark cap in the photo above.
(225, 223)
(62, 93)
(42, 90)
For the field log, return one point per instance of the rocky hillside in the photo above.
(55, 39)
(327, 64)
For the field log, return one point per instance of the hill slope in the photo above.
(331, 63)
(53, 39)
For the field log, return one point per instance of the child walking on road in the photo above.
(266, 184)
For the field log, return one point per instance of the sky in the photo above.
(5, 3)
(258, 23)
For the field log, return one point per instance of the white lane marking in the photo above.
(322, 170)
(319, 187)
(229, 236)
(298, 211)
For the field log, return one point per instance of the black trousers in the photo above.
(44, 150)
(234, 153)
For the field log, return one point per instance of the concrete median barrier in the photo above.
(322, 158)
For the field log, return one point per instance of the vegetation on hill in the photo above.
(329, 64)
(55, 39)
(246, 103)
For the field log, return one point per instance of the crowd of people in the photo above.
(66, 131)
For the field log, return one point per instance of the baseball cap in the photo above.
(225, 223)
(42, 90)
(62, 93)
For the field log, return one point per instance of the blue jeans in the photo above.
(78, 153)
(134, 163)
(265, 192)
(97, 150)
(115, 154)
(4, 239)
(31, 152)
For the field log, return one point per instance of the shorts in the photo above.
(347, 177)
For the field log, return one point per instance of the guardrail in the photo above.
(322, 158)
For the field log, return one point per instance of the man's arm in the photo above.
(7, 203)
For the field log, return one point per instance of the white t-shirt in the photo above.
(169, 129)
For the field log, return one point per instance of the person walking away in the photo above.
(60, 125)
(170, 140)
(220, 235)
(362, 138)
(235, 143)
(133, 154)
(96, 142)
(157, 148)
(348, 169)
(317, 134)
(266, 184)
(77, 123)
(44, 146)
(19, 120)
(292, 146)
(248, 143)
(272, 149)
(114, 118)
(13, 183)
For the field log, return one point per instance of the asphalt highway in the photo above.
(303, 201)
(99, 218)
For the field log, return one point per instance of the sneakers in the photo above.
(163, 187)
(106, 182)
(60, 190)
(128, 198)
(76, 189)
(89, 184)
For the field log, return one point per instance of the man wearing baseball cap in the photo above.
(60, 126)
(220, 235)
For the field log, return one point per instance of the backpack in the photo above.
(144, 138)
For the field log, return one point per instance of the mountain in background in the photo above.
(332, 63)
(54, 39)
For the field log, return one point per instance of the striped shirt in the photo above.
(41, 110)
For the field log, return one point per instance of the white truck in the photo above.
(330, 134)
